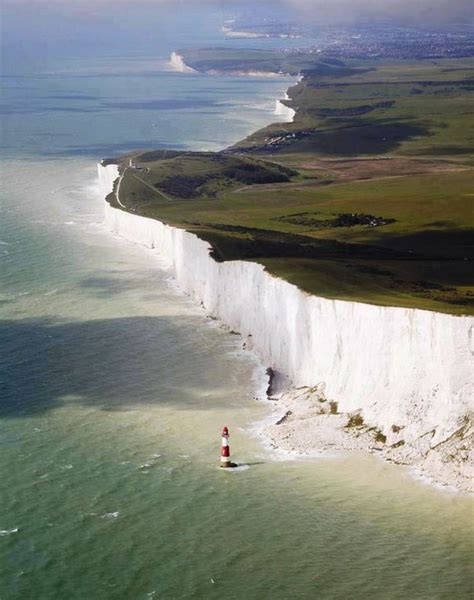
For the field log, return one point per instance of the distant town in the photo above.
(361, 41)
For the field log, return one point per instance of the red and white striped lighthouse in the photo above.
(225, 450)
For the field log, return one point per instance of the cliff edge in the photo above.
(393, 380)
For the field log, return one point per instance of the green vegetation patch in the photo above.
(155, 176)
(341, 220)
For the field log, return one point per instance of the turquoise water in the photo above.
(114, 389)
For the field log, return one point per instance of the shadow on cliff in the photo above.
(113, 364)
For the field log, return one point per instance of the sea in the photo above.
(114, 386)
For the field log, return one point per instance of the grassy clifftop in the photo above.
(410, 109)
(367, 196)
(177, 176)
(230, 61)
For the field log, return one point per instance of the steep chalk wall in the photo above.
(177, 63)
(284, 111)
(407, 367)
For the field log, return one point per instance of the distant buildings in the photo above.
(366, 41)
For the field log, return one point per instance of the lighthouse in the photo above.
(225, 450)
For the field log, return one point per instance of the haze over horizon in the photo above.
(35, 31)
(334, 11)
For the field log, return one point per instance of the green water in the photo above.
(130, 504)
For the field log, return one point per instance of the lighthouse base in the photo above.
(228, 465)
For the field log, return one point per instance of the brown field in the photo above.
(374, 168)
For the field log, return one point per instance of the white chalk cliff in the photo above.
(284, 111)
(177, 64)
(400, 367)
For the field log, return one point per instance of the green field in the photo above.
(407, 110)
(230, 61)
(367, 196)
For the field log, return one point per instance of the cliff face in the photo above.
(404, 367)
(108, 174)
(284, 111)
(177, 63)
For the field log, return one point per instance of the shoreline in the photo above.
(178, 64)
(308, 426)
(296, 431)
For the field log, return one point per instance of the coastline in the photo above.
(422, 431)
(177, 63)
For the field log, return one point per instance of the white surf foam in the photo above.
(5, 532)
(110, 515)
